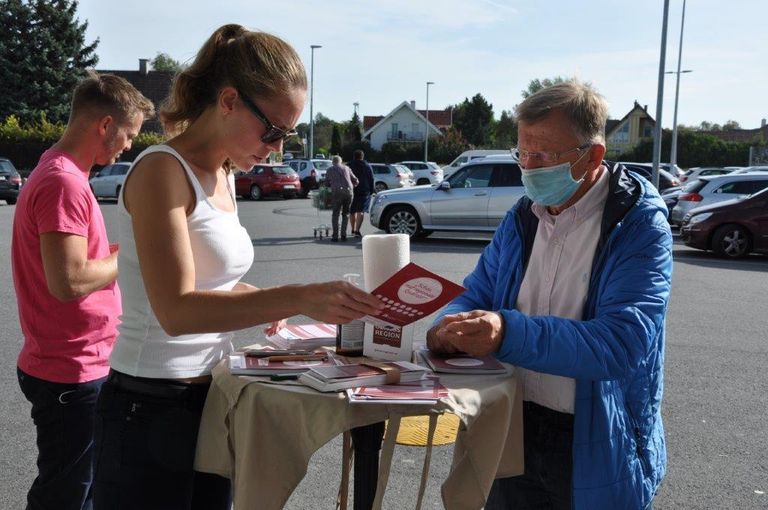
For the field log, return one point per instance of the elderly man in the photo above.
(573, 290)
(341, 180)
(64, 271)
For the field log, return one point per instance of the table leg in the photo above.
(366, 442)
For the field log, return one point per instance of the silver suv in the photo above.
(709, 190)
(476, 197)
(311, 172)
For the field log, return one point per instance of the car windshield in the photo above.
(403, 170)
(322, 164)
(283, 170)
(7, 168)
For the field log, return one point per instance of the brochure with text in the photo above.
(411, 294)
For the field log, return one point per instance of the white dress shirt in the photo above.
(556, 281)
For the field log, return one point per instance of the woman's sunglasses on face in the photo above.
(273, 132)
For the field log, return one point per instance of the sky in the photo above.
(379, 53)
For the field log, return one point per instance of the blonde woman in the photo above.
(182, 254)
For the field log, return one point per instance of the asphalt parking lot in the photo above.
(715, 379)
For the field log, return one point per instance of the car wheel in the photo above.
(731, 241)
(380, 186)
(403, 220)
(422, 181)
(255, 193)
(10, 201)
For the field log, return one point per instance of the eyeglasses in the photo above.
(545, 157)
(273, 132)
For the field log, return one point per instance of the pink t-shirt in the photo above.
(65, 342)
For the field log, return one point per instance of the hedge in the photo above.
(24, 144)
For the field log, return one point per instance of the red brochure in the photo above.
(411, 294)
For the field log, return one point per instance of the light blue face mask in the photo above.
(550, 186)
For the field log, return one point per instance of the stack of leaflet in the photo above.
(266, 362)
(426, 391)
(358, 374)
(304, 336)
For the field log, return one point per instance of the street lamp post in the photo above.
(311, 97)
(660, 98)
(426, 126)
(673, 151)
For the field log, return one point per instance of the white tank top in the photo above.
(222, 251)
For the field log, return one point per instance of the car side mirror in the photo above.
(444, 185)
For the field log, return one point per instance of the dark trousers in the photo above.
(341, 198)
(64, 419)
(146, 435)
(547, 482)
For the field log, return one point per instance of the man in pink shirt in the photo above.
(64, 273)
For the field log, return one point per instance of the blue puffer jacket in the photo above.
(615, 353)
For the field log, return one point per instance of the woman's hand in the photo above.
(274, 327)
(338, 302)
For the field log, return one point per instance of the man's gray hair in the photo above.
(336, 160)
(586, 109)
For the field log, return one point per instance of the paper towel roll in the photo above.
(383, 256)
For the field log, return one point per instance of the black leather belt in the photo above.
(161, 388)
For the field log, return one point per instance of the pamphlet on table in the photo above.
(341, 377)
(270, 362)
(461, 363)
(304, 336)
(425, 391)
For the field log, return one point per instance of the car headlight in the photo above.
(697, 218)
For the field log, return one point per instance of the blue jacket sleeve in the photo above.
(480, 284)
(632, 296)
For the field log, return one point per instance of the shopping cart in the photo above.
(321, 200)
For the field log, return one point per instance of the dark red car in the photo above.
(731, 229)
(267, 180)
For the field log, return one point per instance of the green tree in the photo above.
(474, 119)
(352, 130)
(694, 148)
(444, 149)
(164, 62)
(731, 125)
(323, 131)
(506, 130)
(43, 52)
(536, 85)
(336, 140)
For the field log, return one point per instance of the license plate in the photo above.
(289, 186)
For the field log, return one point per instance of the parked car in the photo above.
(750, 170)
(468, 156)
(424, 173)
(732, 228)
(391, 176)
(267, 180)
(475, 198)
(708, 190)
(311, 172)
(670, 198)
(109, 180)
(706, 171)
(666, 179)
(10, 182)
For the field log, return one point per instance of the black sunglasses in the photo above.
(273, 132)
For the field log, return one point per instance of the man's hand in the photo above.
(477, 333)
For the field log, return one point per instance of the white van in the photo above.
(466, 156)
